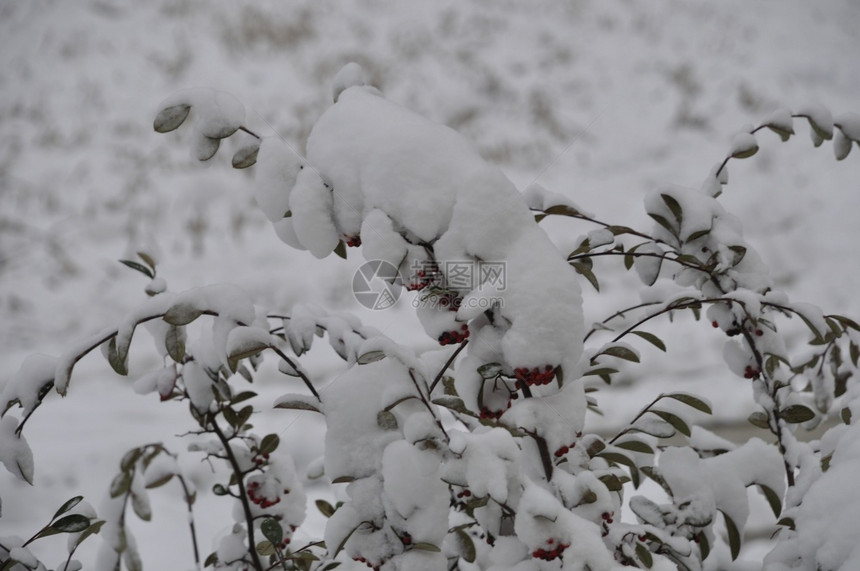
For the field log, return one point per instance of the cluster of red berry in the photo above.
(535, 376)
(452, 337)
(260, 459)
(406, 538)
(353, 241)
(564, 450)
(492, 414)
(260, 499)
(423, 278)
(465, 494)
(368, 563)
(552, 551)
(751, 372)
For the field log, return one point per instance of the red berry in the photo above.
(715, 324)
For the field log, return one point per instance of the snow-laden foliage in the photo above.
(474, 455)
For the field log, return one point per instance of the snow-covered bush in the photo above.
(475, 455)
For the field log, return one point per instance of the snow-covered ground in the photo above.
(599, 100)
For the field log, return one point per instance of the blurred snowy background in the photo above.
(601, 100)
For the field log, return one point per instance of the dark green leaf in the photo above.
(243, 396)
(139, 267)
(759, 419)
(243, 415)
(772, 498)
(674, 207)
(340, 249)
(265, 548)
(269, 443)
(220, 490)
(786, 522)
(635, 446)
(386, 420)
(160, 481)
(325, 508)
(141, 507)
(422, 546)
(691, 401)
(796, 413)
(466, 546)
(595, 448)
(67, 506)
(644, 555)
(651, 338)
(845, 414)
(674, 420)
(698, 234)
(120, 484)
(739, 253)
(119, 363)
(246, 156)
(211, 560)
(182, 314)
(664, 223)
(297, 405)
(272, 530)
(370, 357)
(71, 523)
(586, 272)
(170, 118)
(562, 210)
(734, 536)
(618, 458)
(174, 342)
(704, 545)
(93, 529)
(621, 352)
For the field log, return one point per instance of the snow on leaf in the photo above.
(743, 146)
(170, 118)
(15, 453)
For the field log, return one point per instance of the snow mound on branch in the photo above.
(420, 193)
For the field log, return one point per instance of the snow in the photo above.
(25, 386)
(85, 182)
(15, 453)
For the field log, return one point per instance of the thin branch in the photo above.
(448, 364)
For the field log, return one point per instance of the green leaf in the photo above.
(585, 271)
(674, 207)
(67, 506)
(130, 458)
(265, 548)
(71, 524)
(370, 357)
(786, 522)
(220, 490)
(845, 415)
(242, 397)
(170, 118)
(343, 480)
(298, 405)
(211, 560)
(704, 545)
(644, 555)
(740, 252)
(651, 338)
(139, 267)
(664, 223)
(759, 419)
(854, 352)
(269, 443)
(119, 363)
(618, 458)
(160, 482)
(243, 415)
(325, 508)
(691, 401)
(466, 546)
(796, 413)
(635, 446)
(120, 484)
(272, 530)
(174, 342)
(621, 352)
(246, 156)
(182, 314)
(674, 420)
(734, 536)
(141, 507)
(386, 420)
(422, 546)
(340, 249)
(93, 529)
(772, 498)
(562, 210)
(697, 234)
